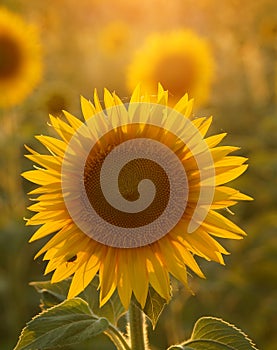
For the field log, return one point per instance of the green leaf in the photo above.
(112, 310)
(212, 333)
(67, 323)
(154, 306)
(53, 293)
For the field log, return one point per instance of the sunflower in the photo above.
(132, 194)
(180, 60)
(20, 58)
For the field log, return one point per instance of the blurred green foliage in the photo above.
(243, 102)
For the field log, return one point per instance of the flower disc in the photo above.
(10, 57)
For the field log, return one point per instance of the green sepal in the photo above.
(154, 306)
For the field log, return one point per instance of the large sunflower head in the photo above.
(181, 61)
(132, 194)
(20, 58)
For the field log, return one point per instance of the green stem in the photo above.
(117, 338)
(137, 328)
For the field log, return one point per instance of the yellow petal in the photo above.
(224, 194)
(136, 262)
(48, 162)
(107, 275)
(73, 121)
(204, 127)
(73, 245)
(230, 161)
(123, 281)
(55, 146)
(53, 188)
(186, 257)
(136, 95)
(217, 225)
(64, 271)
(83, 275)
(158, 274)
(62, 128)
(174, 265)
(49, 216)
(88, 109)
(202, 243)
(69, 230)
(162, 95)
(96, 101)
(53, 264)
(49, 205)
(47, 229)
(226, 174)
(188, 110)
(214, 140)
(220, 152)
(184, 106)
(41, 177)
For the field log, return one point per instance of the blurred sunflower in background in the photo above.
(129, 263)
(20, 58)
(180, 60)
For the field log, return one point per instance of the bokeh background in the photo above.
(92, 44)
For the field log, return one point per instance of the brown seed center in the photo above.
(10, 57)
(128, 181)
(177, 73)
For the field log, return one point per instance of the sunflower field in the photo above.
(90, 73)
